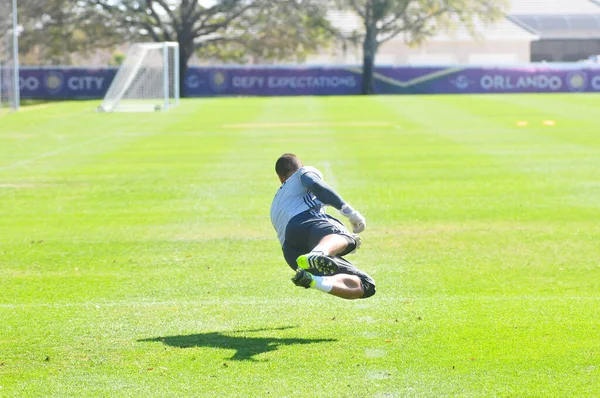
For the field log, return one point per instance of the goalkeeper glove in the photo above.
(356, 219)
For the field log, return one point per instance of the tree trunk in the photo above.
(184, 56)
(369, 52)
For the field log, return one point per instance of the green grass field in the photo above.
(137, 258)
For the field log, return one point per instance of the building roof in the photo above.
(552, 7)
(561, 26)
(504, 29)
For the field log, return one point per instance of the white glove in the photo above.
(356, 219)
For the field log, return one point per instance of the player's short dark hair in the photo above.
(286, 164)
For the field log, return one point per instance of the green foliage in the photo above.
(277, 31)
(117, 59)
(5, 22)
(138, 259)
(227, 29)
(54, 31)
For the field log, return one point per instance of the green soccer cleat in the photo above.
(324, 264)
(303, 278)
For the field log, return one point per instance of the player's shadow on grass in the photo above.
(246, 347)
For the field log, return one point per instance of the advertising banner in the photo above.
(84, 83)
(271, 81)
(65, 83)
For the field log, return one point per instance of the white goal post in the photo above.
(148, 79)
(9, 56)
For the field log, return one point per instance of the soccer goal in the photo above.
(9, 57)
(148, 80)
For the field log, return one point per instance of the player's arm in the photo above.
(327, 195)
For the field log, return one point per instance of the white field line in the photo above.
(104, 304)
(73, 146)
(293, 301)
(55, 152)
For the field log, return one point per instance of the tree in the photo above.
(54, 30)
(225, 28)
(277, 31)
(5, 22)
(418, 20)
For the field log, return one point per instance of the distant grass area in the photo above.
(26, 105)
(29, 102)
(138, 259)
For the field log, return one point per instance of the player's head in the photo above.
(286, 165)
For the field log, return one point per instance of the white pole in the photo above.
(1, 73)
(16, 57)
(176, 74)
(166, 75)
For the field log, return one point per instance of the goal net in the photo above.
(148, 79)
(9, 58)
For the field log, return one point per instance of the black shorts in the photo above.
(305, 231)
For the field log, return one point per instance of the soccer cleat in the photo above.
(303, 278)
(324, 264)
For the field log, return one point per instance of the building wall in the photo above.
(459, 52)
(395, 52)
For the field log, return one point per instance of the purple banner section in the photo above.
(528, 79)
(271, 81)
(81, 83)
(65, 83)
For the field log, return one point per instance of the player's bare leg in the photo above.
(331, 245)
(346, 286)
(341, 285)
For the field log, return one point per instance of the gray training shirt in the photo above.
(304, 190)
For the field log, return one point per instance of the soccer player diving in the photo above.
(313, 242)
